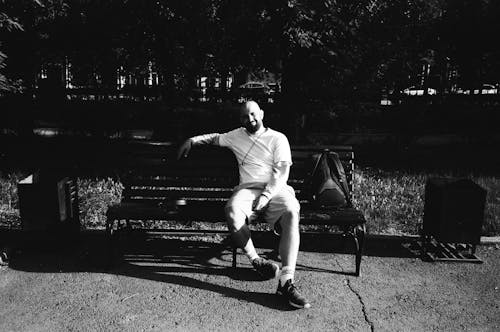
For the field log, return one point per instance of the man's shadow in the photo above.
(166, 260)
(159, 260)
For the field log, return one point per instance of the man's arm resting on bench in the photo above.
(196, 140)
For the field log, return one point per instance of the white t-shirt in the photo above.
(257, 153)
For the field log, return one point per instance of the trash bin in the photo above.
(454, 210)
(453, 218)
(47, 202)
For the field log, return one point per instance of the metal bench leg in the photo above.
(359, 238)
(113, 240)
(228, 242)
(110, 241)
(234, 257)
(346, 232)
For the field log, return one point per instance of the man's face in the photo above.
(251, 117)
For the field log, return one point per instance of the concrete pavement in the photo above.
(189, 286)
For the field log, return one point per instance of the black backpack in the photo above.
(328, 182)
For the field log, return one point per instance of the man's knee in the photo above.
(235, 217)
(290, 219)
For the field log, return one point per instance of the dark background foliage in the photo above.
(328, 50)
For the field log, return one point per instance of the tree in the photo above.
(8, 24)
(323, 50)
(26, 47)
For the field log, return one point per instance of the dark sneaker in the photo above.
(291, 294)
(266, 269)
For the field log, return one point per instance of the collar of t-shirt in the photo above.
(259, 132)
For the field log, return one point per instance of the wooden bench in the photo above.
(158, 187)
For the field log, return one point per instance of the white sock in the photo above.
(287, 272)
(250, 251)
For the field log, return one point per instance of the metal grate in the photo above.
(435, 251)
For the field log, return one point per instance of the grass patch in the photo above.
(9, 203)
(491, 224)
(95, 196)
(393, 202)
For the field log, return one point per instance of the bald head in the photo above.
(250, 105)
(251, 116)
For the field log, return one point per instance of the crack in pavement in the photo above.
(360, 299)
(363, 306)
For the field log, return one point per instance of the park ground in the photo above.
(188, 285)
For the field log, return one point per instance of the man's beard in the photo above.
(252, 128)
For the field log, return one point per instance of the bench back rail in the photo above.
(205, 179)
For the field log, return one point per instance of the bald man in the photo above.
(264, 160)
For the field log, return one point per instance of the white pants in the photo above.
(281, 202)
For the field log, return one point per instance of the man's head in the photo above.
(251, 116)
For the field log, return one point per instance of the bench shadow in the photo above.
(172, 261)
(169, 260)
(377, 246)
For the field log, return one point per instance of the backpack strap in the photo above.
(340, 177)
(317, 157)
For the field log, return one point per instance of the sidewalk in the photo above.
(189, 285)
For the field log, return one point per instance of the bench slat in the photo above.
(156, 201)
(179, 193)
(296, 171)
(184, 172)
(207, 182)
(339, 217)
(319, 148)
(161, 163)
(213, 211)
(139, 211)
(306, 155)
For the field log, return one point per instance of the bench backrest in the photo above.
(207, 177)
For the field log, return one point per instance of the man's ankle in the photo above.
(252, 256)
(287, 273)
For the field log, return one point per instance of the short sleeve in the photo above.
(227, 139)
(282, 152)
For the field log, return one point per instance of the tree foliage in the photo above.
(325, 49)
(7, 23)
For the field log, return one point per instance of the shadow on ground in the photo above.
(179, 261)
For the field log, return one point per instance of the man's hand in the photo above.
(184, 149)
(260, 203)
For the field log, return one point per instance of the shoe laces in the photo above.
(292, 288)
(258, 262)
